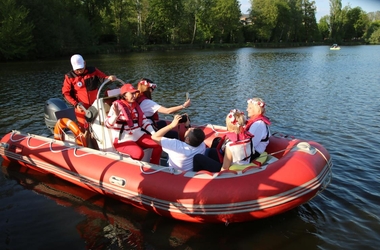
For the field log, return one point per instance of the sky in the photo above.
(323, 6)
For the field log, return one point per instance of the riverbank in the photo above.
(109, 49)
(116, 49)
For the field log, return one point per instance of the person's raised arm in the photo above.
(160, 133)
(113, 114)
(173, 109)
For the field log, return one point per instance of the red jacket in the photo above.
(82, 88)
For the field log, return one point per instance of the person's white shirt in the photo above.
(149, 107)
(259, 130)
(180, 153)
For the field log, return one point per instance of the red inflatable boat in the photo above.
(292, 172)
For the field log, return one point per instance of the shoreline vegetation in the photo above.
(115, 49)
(29, 30)
(110, 49)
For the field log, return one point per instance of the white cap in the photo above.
(77, 62)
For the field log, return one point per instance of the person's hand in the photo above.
(187, 103)
(116, 109)
(175, 121)
(187, 123)
(112, 78)
(79, 106)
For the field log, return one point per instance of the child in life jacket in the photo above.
(128, 124)
(235, 146)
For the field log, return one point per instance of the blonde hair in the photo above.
(235, 121)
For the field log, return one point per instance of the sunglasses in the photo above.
(149, 84)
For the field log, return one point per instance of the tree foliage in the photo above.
(336, 20)
(16, 39)
(372, 34)
(324, 27)
(355, 22)
(285, 20)
(49, 28)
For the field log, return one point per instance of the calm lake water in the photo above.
(331, 97)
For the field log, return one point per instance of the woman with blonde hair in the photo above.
(258, 125)
(233, 148)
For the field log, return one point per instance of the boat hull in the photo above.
(295, 172)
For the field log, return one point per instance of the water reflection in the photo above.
(104, 223)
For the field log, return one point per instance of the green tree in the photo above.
(324, 28)
(295, 21)
(226, 20)
(60, 27)
(372, 29)
(265, 14)
(375, 37)
(164, 20)
(120, 21)
(205, 21)
(355, 23)
(289, 20)
(336, 23)
(282, 25)
(15, 31)
(309, 22)
(197, 20)
(92, 11)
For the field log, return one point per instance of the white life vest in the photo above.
(241, 151)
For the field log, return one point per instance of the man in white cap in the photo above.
(81, 85)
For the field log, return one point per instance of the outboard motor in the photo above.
(55, 109)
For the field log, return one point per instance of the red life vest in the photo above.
(128, 116)
(258, 118)
(255, 119)
(154, 117)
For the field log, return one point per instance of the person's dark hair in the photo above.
(146, 79)
(144, 89)
(196, 137)
(121, 96)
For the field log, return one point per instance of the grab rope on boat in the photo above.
(29, 137)
(13, 140)
(34, 147)
(171, 169)
(140, 163)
